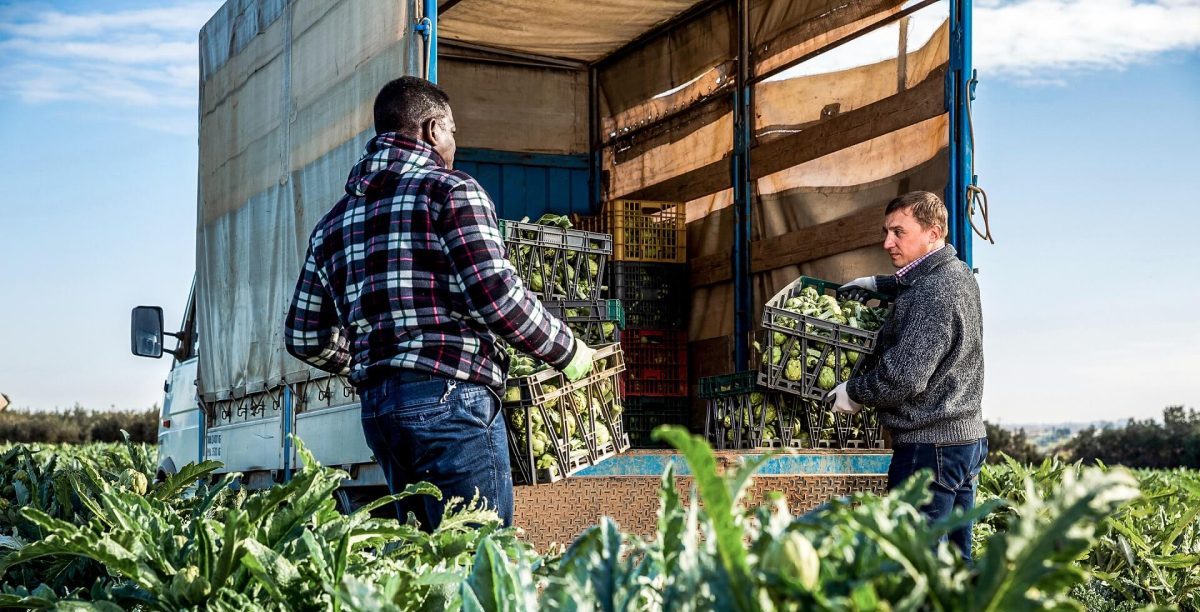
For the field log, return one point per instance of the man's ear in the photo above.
(427, 131)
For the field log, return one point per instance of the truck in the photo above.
(782, 129)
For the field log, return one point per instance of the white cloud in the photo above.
(1038, 40)
(1031, 38)
(139, 66)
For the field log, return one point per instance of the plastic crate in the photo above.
(776, 318)
(643, 414)
(821, 347)
(556, 263)
(655, 296)
(656, 360)
(859, 430)
(830, 429)
(642, 230)
(593, 321)
(581, 420)
(741, 414)
(816, 357)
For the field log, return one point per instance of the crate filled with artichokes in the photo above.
(593, 321)
(742, 414)
(555, 261)
(557, 427)
(813, 340)
(654, 295)
(643, 230)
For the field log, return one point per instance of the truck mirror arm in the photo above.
(180, 352)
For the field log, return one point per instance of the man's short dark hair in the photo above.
(406, 103)
(925, 207)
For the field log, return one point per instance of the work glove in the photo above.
(857, 289)
(841, 400)
(581, 364)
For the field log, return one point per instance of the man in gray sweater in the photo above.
(926, 376)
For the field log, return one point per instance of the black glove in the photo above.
(857, 289)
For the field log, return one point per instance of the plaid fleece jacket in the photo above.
(408, 270)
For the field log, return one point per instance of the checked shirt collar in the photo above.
(906, 269)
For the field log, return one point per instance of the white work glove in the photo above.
(857, 288)
(581, 363)
(841, 400)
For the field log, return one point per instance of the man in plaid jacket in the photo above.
(405, 288)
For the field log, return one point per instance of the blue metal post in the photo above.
(959, 91)
(427, 28)
(203, 429)
(596, 170)
(743, 118)
(287, 433)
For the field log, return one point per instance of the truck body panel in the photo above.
(181, 427)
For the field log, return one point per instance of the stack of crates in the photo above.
(557, 427)
(648, 275)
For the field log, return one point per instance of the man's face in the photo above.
(905, 240)
(439, 133)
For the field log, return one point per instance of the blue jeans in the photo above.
(448, 433)
(955, 469)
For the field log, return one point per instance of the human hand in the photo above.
(841, 400)
(857, 289)
(580, 364)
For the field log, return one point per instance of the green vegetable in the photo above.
(794, 370)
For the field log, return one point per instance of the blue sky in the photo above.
(1087, 121)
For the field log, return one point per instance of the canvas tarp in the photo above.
(285, 109)
(517, 108)
(822, 216)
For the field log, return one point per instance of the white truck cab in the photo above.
(181, 424)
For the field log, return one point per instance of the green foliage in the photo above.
(1052, 536)
(1147, 552)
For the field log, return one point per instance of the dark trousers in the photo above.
(955, 469)
(448, 433)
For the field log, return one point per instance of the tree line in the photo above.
(78, 425)
(1173, 441)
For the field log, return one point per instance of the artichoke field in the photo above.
(89, 534)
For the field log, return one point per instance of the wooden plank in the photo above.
(925, 101)
(854, 231)
(851, 232)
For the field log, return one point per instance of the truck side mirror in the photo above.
(146, 334)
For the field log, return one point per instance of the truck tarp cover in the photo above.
(285, 109)
(287, 89)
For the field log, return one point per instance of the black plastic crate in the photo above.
(805, 367)
(593, 321)
(556, 427)
(654, 295)
(557, 263)
(742, 414)
(807, 355)
(830, 429)
(643, 414)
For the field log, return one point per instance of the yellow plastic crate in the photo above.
(645, 231)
